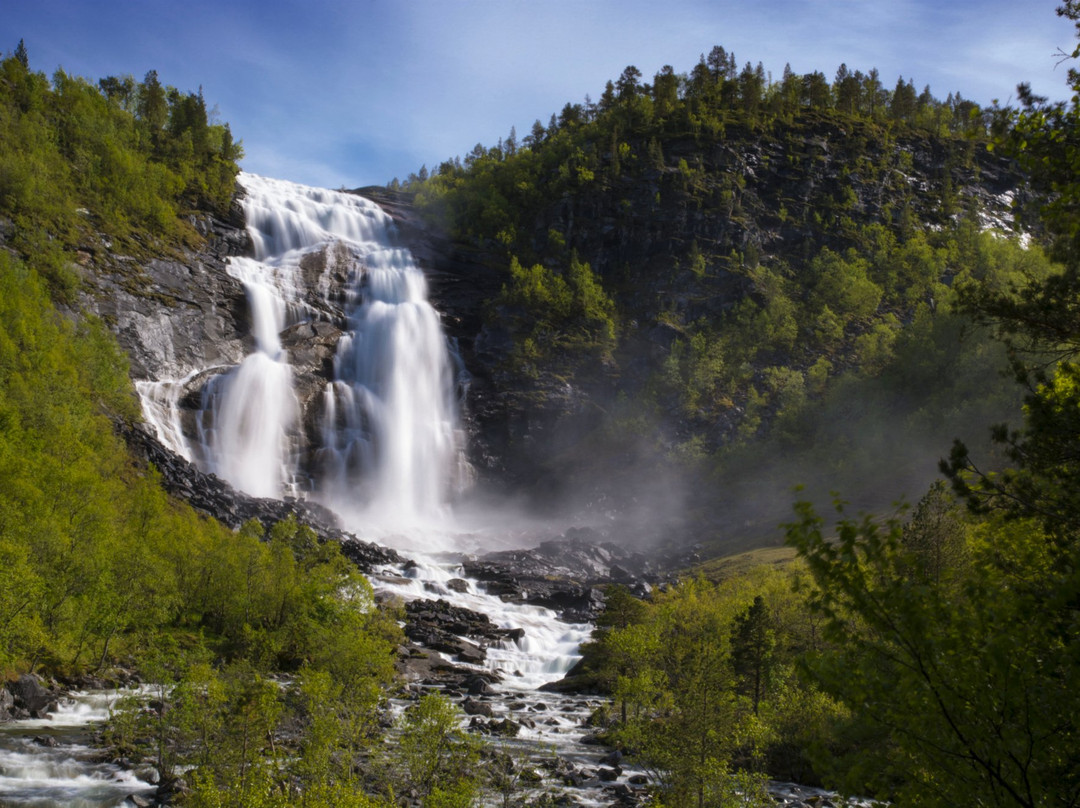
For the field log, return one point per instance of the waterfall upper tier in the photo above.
(348, 392)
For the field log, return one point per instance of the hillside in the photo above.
(713, 281)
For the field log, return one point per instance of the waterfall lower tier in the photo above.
(539, 647)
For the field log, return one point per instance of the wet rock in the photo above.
(612, 759)
(213, 496)
(471, 655)
(473, 707)
(368, 555)
(478, 686)
(7, 702)
(563, 574)
(609, 775)
(638, 780)
(458, 585)
(441, 626)
(506, 727)
(29, 694)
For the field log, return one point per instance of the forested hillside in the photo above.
(929, 656)
(749, 278)
(104, 578)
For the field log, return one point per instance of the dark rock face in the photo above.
(565, 574)
(213, 496)
(454, 630)
(29, 697)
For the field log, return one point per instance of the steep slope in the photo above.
(666, 285)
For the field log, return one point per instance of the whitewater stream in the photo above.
(49, 762)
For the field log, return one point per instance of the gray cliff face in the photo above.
(175, 315)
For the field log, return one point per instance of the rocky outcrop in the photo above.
(26, 697)
(173, 315)
(454, 630)
(213, 496)
(566, 574)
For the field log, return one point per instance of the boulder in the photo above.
(28, 693)
(506, 727)
(473, 707)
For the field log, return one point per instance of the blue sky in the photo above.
(356, 92)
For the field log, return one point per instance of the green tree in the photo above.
(752, 645)
(436, 758)
(962, 676)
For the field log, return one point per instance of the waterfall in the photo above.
(383, 446)
(391, 413)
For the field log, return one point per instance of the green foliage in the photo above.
(99, 565)
(952, 638)
(79, 163)
(550, 313)
(435, 758)
(732, 277)
(705, 694)
(959, 671)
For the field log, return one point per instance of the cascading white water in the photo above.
(391, 413)
(389, 432)
(49, 763)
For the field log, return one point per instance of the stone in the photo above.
(473, 707)
(30, 694)
(506, 727)
(479, 686)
